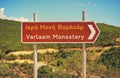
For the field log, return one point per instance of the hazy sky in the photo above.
(100, 11)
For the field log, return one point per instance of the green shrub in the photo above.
(3, 68)
(2, 55)
(11, 74)
(26, 56)
(11, 57)
(98, 50)
(47, 72)
(111, 58)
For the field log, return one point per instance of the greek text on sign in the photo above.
(59, 32)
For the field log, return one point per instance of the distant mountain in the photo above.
(10, 37)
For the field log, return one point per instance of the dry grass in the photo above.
(42, 51)
(118, 39)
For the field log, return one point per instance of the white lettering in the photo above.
(37, 37)
(76, 37)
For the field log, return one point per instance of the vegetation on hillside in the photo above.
(108, 35)
(10, 37)
(111, 58)
(66, 63)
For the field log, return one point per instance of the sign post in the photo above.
(35, 50)
(84, 50)
(59, 32)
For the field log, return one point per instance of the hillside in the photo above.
(108, 35)
(59, 60)
(10, 37)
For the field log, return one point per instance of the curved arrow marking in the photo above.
(92, 32)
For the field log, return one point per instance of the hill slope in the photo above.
(108, 35)
(10, 37)
(65, 63)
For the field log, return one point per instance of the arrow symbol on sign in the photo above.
(92, 32)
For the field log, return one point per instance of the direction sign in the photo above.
(59, 32)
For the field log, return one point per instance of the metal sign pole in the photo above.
(84, 60)
(35, 51)
(35, 60)
(84, 50)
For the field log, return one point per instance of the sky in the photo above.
(99, 11)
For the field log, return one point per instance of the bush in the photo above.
(2, 55)
(15, 64)
(111, 58)
(11, 57)
(98, 50)
(26, 56)
(8, 51)
(3, 68)
(46, 72)
(26, 65)
(11, 74)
